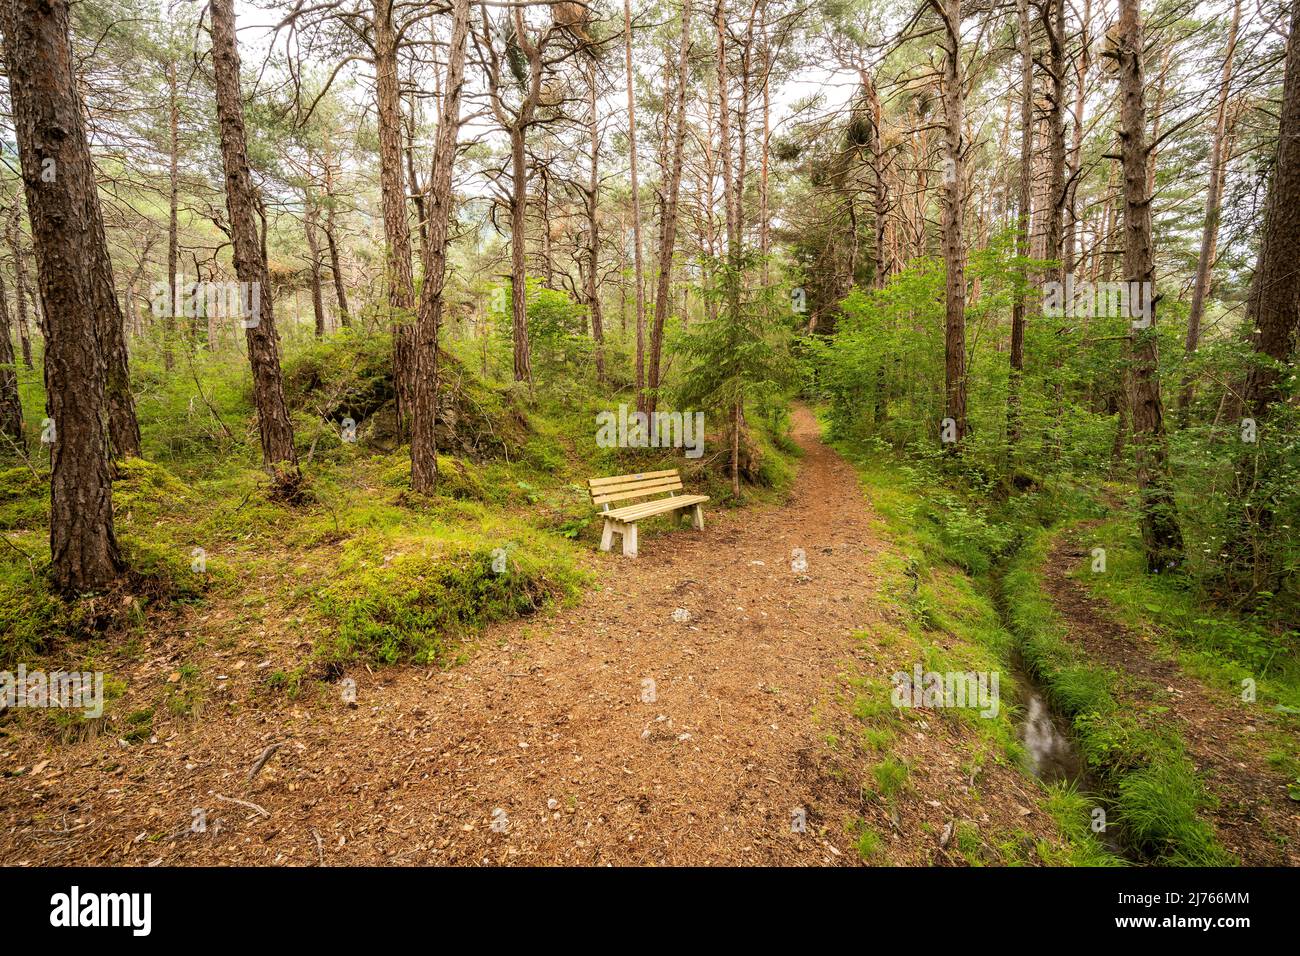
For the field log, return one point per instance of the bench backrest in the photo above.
(604, 491)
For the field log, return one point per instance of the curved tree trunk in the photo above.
(274, 425)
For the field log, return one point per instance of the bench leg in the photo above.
(629, 540)
(697, 519)
(607, 536)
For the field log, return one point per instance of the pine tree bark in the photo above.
(1053, 17)
(1019, 306)
(642, 402)
(392, 188)
(1158, 511)
(313, 250)
(1273, 307)
(336, 269)
(954, 253)
(58, 179)
(732, 277)
(668, 229)
(1070, 241)
(274, 426)
(424, 446)
(11, 409)
(1214, 195)
(592, 196)
(14, 236)
(173, 233)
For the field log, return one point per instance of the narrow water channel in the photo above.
(1050, 751)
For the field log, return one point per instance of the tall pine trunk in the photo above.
(637, 266)
(1161, 534)
(58, 179)
(1024, 198)
(1214, 196)
(424, 446)
(11, 409)
(274, 426)
(14, 236)
(173, 242)
(668, 230)
(954, 253)
(592, 197)
(392, 188)
(336, 269)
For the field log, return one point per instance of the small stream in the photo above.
(1048, 748)
(1050, 752)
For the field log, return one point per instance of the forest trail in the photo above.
(1253, 815)
(544, 731)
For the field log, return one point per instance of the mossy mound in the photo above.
(457, 478)
(350, 377)
(420, 607)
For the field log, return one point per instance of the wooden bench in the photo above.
(622, 521)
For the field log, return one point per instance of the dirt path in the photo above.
(550, 745)
(706, 768)
(1254, 818)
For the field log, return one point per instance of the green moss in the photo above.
(421, 607)
(24, 498)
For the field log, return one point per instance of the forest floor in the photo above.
(611, 731)
(1226, 739)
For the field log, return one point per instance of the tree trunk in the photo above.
(274, 425)
(641, 398)
(336, 269)
(1070, 241)
(954, 254)
(14, 235)
(1161, 533)
(668, 230)
(1019, 306)
(593, 234)
(424, 447)
(1273, 308)
(1053, 16)
(392, 187)
(173, 242)
(313, 250)
(1214, 195)
(518, 263)
(11, 409)
(58, 178)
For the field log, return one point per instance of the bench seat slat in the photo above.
(596, 483)
(640, 490)
(647, 509)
